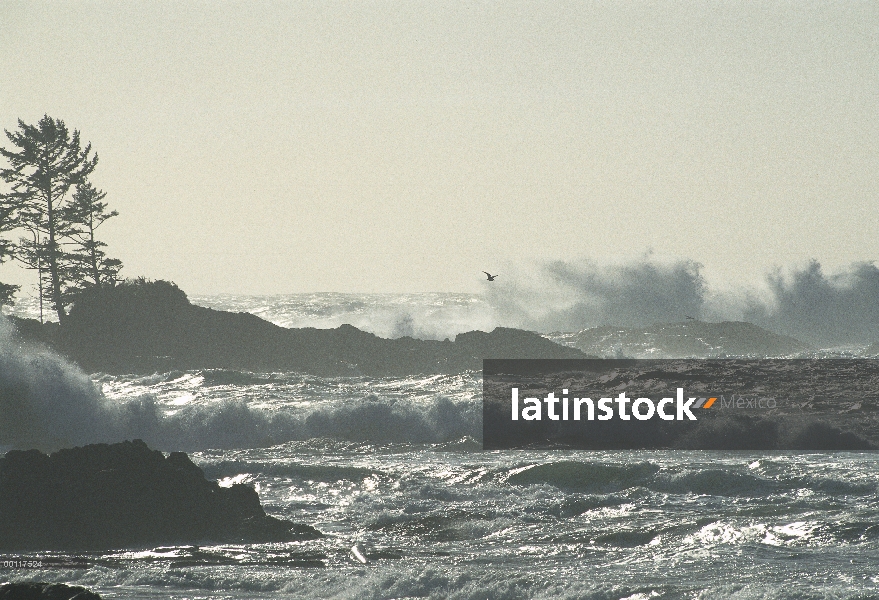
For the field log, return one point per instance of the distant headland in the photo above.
(141, 326)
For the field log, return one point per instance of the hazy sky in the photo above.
(272, 147)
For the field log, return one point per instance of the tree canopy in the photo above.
(45, 162)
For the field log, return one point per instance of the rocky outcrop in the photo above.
(45, 591)
(151, 326)
(690, 339)
(125, 495)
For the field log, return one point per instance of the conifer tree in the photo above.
(8, 223)
(87, 212)
(45, 162)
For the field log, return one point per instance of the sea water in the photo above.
(391, 471)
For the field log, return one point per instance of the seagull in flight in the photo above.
(689, 318)
(490, 276)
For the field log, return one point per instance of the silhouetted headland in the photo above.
(143, 326)
(125, 495)
(688, 339)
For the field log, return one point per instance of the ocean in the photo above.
(392, 472)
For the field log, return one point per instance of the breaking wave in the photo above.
(609, 479)
(48, 403)
(566, 296)
(83, 419)
(821, 309)
(804, 302)
(585, 477)
(428, 316)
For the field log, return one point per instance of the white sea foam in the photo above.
(48, 403)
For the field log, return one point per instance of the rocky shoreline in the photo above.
(45, 591)
(125, 495)
(143, 327)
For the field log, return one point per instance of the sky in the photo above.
(279, 147)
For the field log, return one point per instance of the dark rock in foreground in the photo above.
(125, 495)
(45, 591)
(145, 327)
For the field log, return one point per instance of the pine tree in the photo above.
(46, 162)
(87, 212)
(8, 222)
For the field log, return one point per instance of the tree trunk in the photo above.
(53, 262)
(93, 255)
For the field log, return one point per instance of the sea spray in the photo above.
(803, 301)
(48, 403)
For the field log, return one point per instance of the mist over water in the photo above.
(805, 302)
(566, 296)
(44, 400)
(818, 308)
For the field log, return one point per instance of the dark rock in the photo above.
(145, 326)
(45, 591)
(125, 495)
(504, 342)
(690, 339)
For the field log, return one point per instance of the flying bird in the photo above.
(690, 318)
(490, 276)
